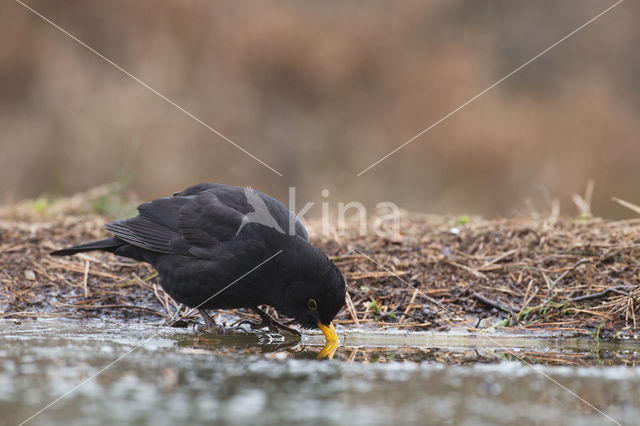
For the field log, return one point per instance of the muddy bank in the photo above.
(438, 273)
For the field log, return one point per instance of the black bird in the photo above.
(223, 247)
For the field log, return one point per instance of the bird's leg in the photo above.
(269, 321)
(209, 323)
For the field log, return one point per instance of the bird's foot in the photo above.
(253, 325)
(209, 324)
(176, 320)
(270, 322)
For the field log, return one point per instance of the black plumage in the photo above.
(216, 246)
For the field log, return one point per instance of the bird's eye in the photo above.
(311, 304)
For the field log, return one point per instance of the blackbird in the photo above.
(223, 247)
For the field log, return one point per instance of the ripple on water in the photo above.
(178, 377)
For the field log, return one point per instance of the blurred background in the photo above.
(321, 90)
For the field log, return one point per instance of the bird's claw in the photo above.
(209, 324)
(253, 325)
(269, 322)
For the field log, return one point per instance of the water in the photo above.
(178, 376)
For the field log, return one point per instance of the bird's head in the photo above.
(315, 296)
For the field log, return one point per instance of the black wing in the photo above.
(196, 221)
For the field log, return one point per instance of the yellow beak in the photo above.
(329, 350)
(329, 332)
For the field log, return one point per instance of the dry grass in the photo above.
(564, 275)
(578, 276)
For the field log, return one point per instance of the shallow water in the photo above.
(167, 376)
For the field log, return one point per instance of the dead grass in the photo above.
(577, 276)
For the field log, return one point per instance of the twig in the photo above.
(98, 307)
(600, 294)
(564, 274)
(472, 271)
(498, 259)
(85, 279)
(490, 302)
(626, 204)
(525, 299)
(408, 308)
(352, 309)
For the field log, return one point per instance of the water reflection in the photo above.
(165, 376)
(466, 351)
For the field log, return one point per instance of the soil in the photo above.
(578, 275)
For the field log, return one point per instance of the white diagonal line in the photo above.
(537, 370)
(128, 74)
(238, 279)
(138, 346)
(546, 376)
(492, 86)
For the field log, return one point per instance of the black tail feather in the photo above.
(109, 244)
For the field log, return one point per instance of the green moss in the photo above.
(581, 219)
(375, 308)
(40, 205)
(462, 219)
(114, 203)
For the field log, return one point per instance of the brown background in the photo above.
(319, 91)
